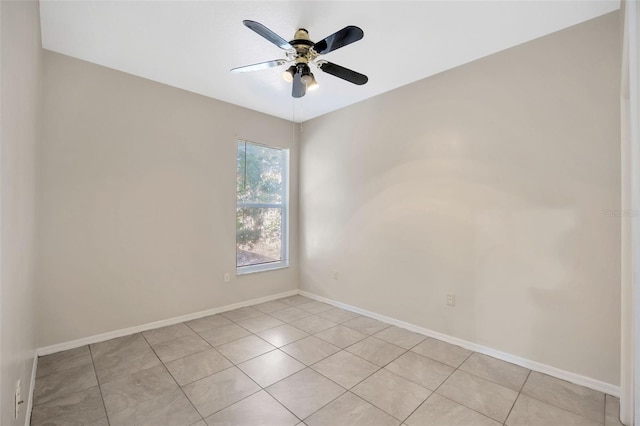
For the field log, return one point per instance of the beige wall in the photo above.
(490, 181)
(20, 90)
(138, 201)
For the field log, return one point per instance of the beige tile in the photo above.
(267, 369)
(392, 393)
(341, 336)
(495, 370)
(200, 423)
(169, 409)
(375, 350)
(213, 393)
(179, 348)
(313, 324)
(224, 334)
(290, 314)
(244, 349)
(77, 408)
(282, 335)
(129, 391)
(65, 360)
(242, 313)
(400, 337)
(63, 383)
(345, 369)
(305, 392)
(577, 399)
(441, 351)
(195, 367)
(165, 334)
(269, 307)
(260, 409)
(295, 300)
(531, 412)
(310, 350)
(612, 411)
(486, 397)
(350, 410)
(207, 323)
(338, 315)
(259, 323)
(315, 307)
(421, 370)
(366, 325)
(122, 356)
(440, 411)
(102, 422)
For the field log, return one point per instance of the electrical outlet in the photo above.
(451, 299)
(18, 400)
(336, 275)
(227, 277)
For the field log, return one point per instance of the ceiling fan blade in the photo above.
(260, 66)
(335, 41)
(299, 88)
(268, 34)
(343, 73)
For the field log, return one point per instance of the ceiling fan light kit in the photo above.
(301, 52)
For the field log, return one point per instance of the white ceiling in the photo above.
(193, 44)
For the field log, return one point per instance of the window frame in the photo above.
(284, 206)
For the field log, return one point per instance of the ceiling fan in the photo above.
(301, 52)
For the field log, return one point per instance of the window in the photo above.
(261, 209)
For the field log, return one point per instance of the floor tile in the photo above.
(577, 399)
(271, 367)
(305, 392)
(528, 411)
(421, 370)
(310, 350)
(63, 383)
(165, 334)
(65, 360)
(170, 409)
(400, 337)
(338, 315)
(486, 397)
(315, 307)
(441, 351)
(440, 411)
(200, 423)
(495, 370)
(313, 324)
(207, 323)
(282, 335)
(391, 393)
(76, 408)
(350, 410)
(220, 390)
(102, 422)
(612, 411)
(122, 356)
(295, 300)
(290, 314)
(128, 391)
(375, 350)
(225, 334)
(259, 323)
(244, 349)
(341, 336)
(179, 348)
(366, 325)
(345, 369)
(272, 306)
(195, 367)
(260, 409)
(242, 313)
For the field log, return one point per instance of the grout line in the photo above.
(106, 413)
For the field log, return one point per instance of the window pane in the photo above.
(259, 178)
(258, 235)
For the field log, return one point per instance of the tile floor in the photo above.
(296, 360)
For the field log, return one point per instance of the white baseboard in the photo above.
(46, 350)
(504, 356)
(32, 386)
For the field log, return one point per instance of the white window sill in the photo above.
(252, 269)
